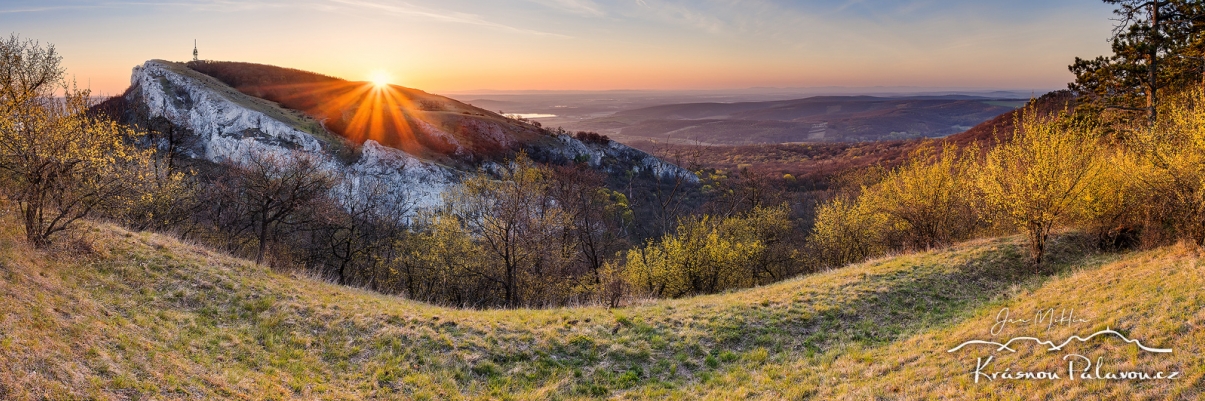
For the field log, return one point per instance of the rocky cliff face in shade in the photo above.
(228, 125)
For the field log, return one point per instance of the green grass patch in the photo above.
(153, 318)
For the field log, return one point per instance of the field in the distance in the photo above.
(757, 115)
(813, 119)
(139, 315)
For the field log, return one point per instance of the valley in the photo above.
(756, 117)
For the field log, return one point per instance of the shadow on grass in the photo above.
(926, 291)
(928, 296)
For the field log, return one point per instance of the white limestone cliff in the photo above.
(226, 130)
(229, 126)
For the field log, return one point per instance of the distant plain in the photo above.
(758, 115)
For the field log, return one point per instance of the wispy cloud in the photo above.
(204, 5)
(583, 7)
(41, 9)
(208, 5)
(439, 15)
(848, 4)
(913, 7)
(696, 16)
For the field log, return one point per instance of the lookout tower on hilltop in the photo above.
(194, 50)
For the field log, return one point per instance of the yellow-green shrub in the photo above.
(929, 201)
(1172, 153)
(1039, 179)
(708, 254)
(1113, 201)
(847, 231)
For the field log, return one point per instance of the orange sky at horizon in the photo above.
(462, 45)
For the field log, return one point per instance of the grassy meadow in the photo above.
(127, 315)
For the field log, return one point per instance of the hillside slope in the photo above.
(135, 315)
(418, 144)
(815, 164)
(422, 124)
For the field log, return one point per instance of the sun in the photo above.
(380, 79)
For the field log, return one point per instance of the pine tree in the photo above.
(1157, 44)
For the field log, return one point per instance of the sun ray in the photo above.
(359, 111)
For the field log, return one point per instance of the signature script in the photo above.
(1066, 317)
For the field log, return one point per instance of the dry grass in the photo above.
(146, 316)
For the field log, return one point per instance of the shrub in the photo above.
(593, 137)
(928, 201)
(1172, 154)
(707, 254)
(847, 231)
(1113, 201)
(696, 259)
(1039, 178)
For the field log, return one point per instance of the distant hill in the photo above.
(420, 123)
(420, 144)
(813, 165)
(814, 119)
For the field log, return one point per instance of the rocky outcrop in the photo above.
(226, 130)
(229, 126)
(616, 158)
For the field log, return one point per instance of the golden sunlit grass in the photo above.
(139, 315)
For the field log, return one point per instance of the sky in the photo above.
(446, 46)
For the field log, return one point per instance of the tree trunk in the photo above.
(347, 256)
(1037, 243)
(33, 228)
(510, 285)
(1152, 98)
(263, 241)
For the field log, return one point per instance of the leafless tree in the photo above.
(273, 188)
(371, 215)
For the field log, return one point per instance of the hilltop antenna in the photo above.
(194, 50)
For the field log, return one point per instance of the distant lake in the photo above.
(530, 115)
